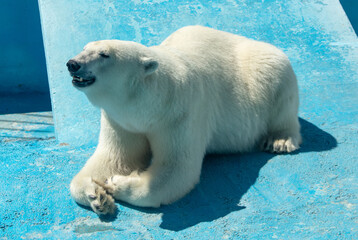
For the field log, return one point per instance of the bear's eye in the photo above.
(104, 55)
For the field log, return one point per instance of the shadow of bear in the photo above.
(225, 179)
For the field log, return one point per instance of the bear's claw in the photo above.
(283, 145)
(101, 201)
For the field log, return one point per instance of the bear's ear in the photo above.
(149, 64)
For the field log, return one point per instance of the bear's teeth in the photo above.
(81, 79)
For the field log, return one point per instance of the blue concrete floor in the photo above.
(311, 194)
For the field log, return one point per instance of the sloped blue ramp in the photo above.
(316, 36)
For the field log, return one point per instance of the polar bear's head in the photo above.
(110, 68)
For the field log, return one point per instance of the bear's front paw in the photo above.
(100, 199)
(120, 186)
(115, 183)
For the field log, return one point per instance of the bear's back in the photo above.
(202, 40)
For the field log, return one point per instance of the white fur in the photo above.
(163, 107)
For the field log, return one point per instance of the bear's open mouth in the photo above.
(81, 82)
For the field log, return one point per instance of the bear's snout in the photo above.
(73, 66)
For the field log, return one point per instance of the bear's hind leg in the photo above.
(283, 128)
(280, 143)
(283, 136)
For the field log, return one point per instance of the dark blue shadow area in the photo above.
(315, 139)
(225, 179)
(24, 102)
(351, 9)
(22, 62)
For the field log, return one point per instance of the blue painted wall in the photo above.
(306, 31)
(351, 9)
(22, 62)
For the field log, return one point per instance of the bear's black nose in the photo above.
(73, 66)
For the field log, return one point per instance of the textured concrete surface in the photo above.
(311, 194)
(26, 126)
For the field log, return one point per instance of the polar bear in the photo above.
(164, 107)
